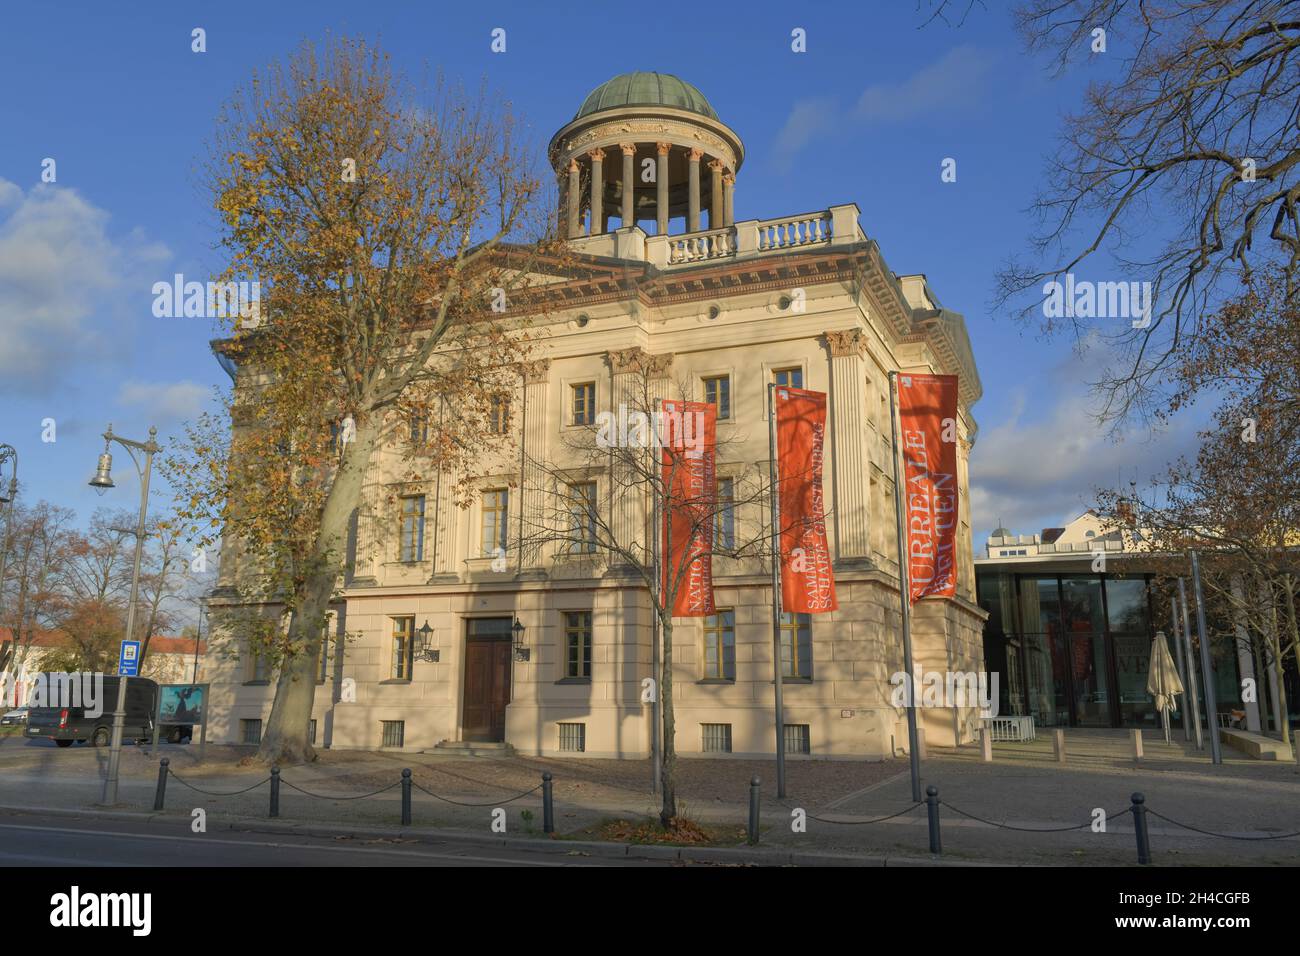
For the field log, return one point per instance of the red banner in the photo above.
(927, 419)
(687, 431)
(807, 583)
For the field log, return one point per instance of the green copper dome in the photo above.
(646, 89)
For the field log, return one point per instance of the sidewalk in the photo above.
(1022, 788)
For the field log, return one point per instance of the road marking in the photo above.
(301, 846)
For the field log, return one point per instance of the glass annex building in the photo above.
(1072, 647)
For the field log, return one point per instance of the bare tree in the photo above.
(1184, 167)
(617, 530)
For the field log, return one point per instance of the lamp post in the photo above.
(424, 646)
(8, 496)
(103, 481)
(521, 650)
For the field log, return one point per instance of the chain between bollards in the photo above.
(932, 811)
(1140, 828)
(753, 810)
(406, 796)
(160, 794)
(275, 792)
(548, 804)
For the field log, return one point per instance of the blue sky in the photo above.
(114, 94)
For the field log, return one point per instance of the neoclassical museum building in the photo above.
(441, 642)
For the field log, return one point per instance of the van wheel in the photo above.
(64, 743)
(100, 737)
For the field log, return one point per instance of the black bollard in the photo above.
(753, 810)
(275, 792)
(932, 810)
(548, 804)
(160, 793)
(406, 796)
(1140, 828)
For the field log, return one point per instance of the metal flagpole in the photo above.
(1182, 668)
(1192, 690)
(656, 589)
(776, 590)
(904, 594)
(1211, 708)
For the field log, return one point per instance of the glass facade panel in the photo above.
(1126, 605)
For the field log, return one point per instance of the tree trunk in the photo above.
(667, 778)
(286, 737)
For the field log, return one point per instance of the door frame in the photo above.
(464, 663)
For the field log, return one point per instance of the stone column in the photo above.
(728, 199)
(625, 499)
(850, 465)
(574, 201)
(661, 191)
(629, 159)
(715, 194)
(693, 205)
(597, 190)
(532, 497)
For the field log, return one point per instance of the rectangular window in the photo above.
(717, 738)
(584, 403)
(720, 645)
(311, 731)
(259, 664)
(499, 414)
(577, 641)
(250, 731)
(724, 518)
(394, 732)
(573, 737)
(403, 648)
(717, 391)
(796, 645)
(582, 518)
(496, 508)
(797, 739)
(417, 427)
(412, 530)
(790, 377)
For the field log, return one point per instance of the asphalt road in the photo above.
(36, 840)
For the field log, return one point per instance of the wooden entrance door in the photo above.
(487, 679)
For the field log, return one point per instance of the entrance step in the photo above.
(472, 748)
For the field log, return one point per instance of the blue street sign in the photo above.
(128, 663)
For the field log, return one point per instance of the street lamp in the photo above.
(522, 653)
(8, 496)
(424, 646)
(103, 481)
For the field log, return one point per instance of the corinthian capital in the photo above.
(846, 342)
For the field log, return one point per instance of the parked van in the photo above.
(64, 725)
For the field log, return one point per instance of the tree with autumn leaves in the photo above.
(393, 231)
(1237, 501)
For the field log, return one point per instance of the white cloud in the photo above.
(951, 84)
(1040, 473)
(65, 284)
(166, 401)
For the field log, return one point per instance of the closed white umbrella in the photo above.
(1163, 682)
